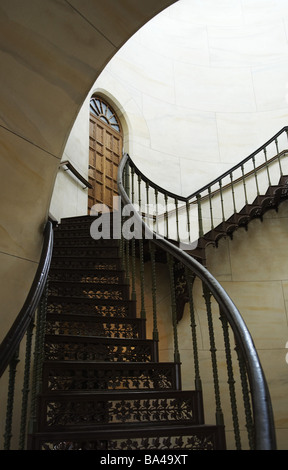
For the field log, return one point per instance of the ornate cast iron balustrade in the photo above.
(219, 208)
(229, 340)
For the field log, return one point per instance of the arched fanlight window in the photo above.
(104, 112)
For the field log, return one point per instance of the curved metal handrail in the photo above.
(261, 401)
(17, 331)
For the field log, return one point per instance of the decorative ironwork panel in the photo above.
(78, 263)
(97, 351)
(193, 442)
(89, 252)
(138, 377)
(88, 308)
(184, 442)
(106, 328)
(105, 277)
(76, 411)
(81, 290)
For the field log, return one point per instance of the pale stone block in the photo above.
(54, 66)
(267, 252)
(16, 278)
(215, 89)
(189, 42)
(27, 190)
(248, 45)
(261, 305)
(267, 95)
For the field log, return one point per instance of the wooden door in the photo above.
(105, 152)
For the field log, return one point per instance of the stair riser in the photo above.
(82, 244)
(109, 328)
(169, 439)
(105, 252)
(112, 376)
(98, 349)
(87, 290)
(85, 227)
(86, 263)
(87, 220)
(111, 309)
(73, 412)
(86, 276)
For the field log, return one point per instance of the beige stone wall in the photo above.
(253, 269)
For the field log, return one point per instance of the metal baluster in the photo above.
(126, 235)
(133, 261)
(123, 237)
(231, 381)
(267, 166)
(139, 195)
(222, 202)
(10, 401)
(276, 143)
(244, 184)
(177, 219)
(207, 297)
(125, 176)
(26, 386)
(127, 264)
(188, 220)
(127, 180)
(233, 193)
(132, 184)
(246, 398)
(156, 209)
(190, 281)
(147, 204)
(211, 208)
(154, 295)
(200, 221)
(122, 245)
(256, 177)
(279, 158)
(174, 316)
(166, 215)
(143, 311)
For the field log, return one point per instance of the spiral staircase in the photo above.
(98, 382)
(103, 386)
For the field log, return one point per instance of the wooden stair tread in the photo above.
(118, 394)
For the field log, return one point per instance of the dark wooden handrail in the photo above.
(76, 173)
(14, 336)
(261, 402)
